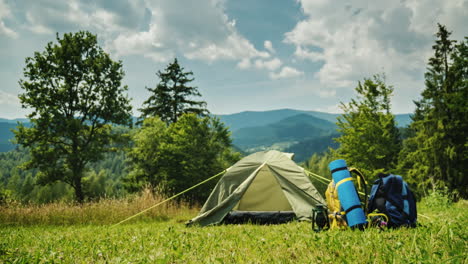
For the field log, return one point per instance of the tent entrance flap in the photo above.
(264, 194)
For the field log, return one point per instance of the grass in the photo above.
(442, 238)
(103, 212)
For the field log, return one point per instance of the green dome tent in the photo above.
(267, 181)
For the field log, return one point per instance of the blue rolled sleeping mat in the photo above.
(347, 193)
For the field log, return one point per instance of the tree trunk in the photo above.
(78, 190)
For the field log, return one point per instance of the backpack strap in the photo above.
(361, 180)
(373, 193)
(404, 195)
(405, 209)
(352, 208)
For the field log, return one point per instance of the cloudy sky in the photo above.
(245, 55)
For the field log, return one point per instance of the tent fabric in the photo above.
(264, 181)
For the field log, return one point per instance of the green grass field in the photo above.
(441, 238)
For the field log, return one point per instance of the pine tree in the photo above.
(437, 155)
(172, 96)
(370, 140)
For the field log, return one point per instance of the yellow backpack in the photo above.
(336, 215)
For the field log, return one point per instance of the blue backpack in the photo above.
(392, 196)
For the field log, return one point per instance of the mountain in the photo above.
(403, 120)
(13, 121)
(282, 134)
(291, 130)
(261, 118)
(6, 135)
(301, 132)
(305, 149)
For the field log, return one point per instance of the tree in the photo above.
(369, 138)
(318, 163)
(75, 93)
(171, 97)
(437, 153)
(175, 157)
(145, 158)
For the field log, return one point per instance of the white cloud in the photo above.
(35, 26)
(9, 99)
(357, 39)
(335, 108)
(7, 31)
(286, 72)
(327, 93)
(101, 17)
(269, 46)
(143, 43)
(271, 65)
(10, 106)
(160, 30)
(234, 47)
(261, 64)
(244, 64)
(205, 33)
(5, 12)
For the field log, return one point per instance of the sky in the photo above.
(245, 55)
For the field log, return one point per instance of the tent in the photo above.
(264, 182)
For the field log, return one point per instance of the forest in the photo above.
(83, 145)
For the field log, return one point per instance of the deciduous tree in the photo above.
(175, 157)
(369, 138)
(75, 92)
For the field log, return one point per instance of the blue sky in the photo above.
(245, 55)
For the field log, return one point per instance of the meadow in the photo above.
(60, 233)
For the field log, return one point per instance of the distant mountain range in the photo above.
(288, 130)
(258, 118)
(301, 132)
(6, 135)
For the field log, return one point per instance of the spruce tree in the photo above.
(437, 154)
(173, 96)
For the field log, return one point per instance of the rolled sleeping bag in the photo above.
(347, 193)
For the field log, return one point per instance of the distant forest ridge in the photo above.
(298, 131)
(258, 118)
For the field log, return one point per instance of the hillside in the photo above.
(286, 134)
(283, 129)
(13, 121)
(261, 118)
(6, 135)
(303, 150)
(293, 128)
(298, 131)
(403, 120)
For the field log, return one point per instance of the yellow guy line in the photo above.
(170, 198)
(325, 179)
